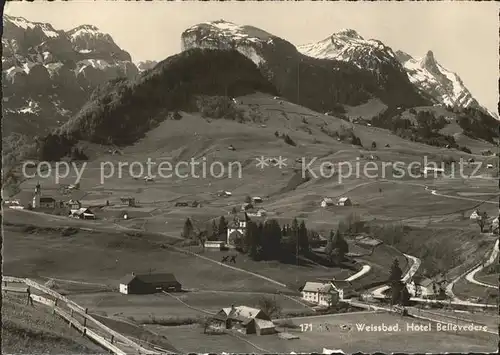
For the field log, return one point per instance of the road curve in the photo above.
(470, 276)
(363, 271)
(379, 292)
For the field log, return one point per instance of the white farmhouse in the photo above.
(475, 215)
(327, 202)
(323, 294)
(345, 201)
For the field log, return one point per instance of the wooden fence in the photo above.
(88, 320)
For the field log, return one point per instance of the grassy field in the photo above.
(178, 308)
(467, 290)
(103, 257)
(342, 333)
(491, 279)
(34, 330)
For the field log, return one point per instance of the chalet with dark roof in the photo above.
(149, 283)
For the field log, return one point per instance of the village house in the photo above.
(344, 288)
(327, 202)
(149, 283)
(128, 201)
(215, 244)
(74, 204)
(345, 201)
(258, 213)
(246, 207)
(82, 213)
(323, 294)
(424, 287)
(244, 319)
(14, 204)
(257, 199)
(224, 194)
(475, 215)
(47, 202)
(494, 225)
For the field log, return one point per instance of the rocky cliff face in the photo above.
(146, 65)
(49, 74)
(431, 77)
(308, 74)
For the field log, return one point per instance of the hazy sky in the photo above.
(462, 35)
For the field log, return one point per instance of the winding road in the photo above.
(471, 275)
(415, 264)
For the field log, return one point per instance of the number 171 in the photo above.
(306, 327)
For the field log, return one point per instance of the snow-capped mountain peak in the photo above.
(222, 34)
(348, 32)
(227, 30)
(56, 69)
(437, 81)
(349, 46)
(24, 25)
(85, 30)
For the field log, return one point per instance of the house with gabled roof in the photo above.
(344, 201)
(82, 213)
(246, 320)
(327, 202)
(321, 293)
(475, 215)
(149, 283)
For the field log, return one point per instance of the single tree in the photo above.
(330, 247)
(395, 282)
(374, 145)
(215, 230)
(187, 232)
(303, 237)
(340, 245)
(248, 199)
(269, 306)
(234, 210)
(405, 296)
(481, 220)
(222, 229)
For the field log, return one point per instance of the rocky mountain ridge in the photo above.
(49, 74)
(296, 73)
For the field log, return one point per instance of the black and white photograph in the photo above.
(250, 177)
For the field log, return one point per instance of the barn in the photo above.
(149, 283)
